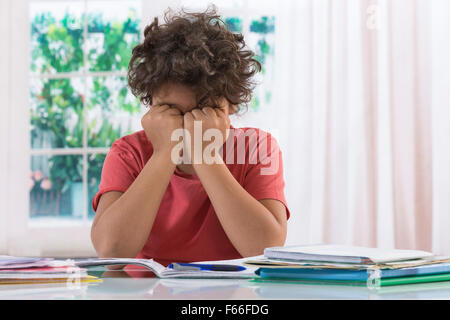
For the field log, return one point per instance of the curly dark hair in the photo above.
(197, 50)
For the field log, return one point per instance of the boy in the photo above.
(155, 202)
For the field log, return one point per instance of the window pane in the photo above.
(113, 31)
(112, 111)
(234, 24)
(220, 4)
(56, 113)
(261, 39)
(56, 186)
(56, 36)
(95, 165)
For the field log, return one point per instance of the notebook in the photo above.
(26, 270)
(45, 275)
(68, 282)
(342, 254)
(387, 282)
(10, 262)
(355, 275)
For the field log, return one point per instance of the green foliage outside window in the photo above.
(259, 40)
(56, 44)
(234, 24)
(119, 39)
(262, 31)
(263, 27)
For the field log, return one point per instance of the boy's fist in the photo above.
(210, 118)
(159, 123)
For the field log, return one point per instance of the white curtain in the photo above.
(14, 130)
(363, 110)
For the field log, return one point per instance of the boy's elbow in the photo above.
(259, 249)
(104, 247)
(105, 251)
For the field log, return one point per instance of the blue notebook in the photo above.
(355, 275)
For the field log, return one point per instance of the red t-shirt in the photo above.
(186, 227)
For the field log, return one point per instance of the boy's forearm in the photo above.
(249, 225)
(124, 227)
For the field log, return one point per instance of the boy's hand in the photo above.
(159, 123)
(211, 118)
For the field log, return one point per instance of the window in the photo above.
(79, 99)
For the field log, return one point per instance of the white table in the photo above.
(119, 285)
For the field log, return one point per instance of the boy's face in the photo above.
(179, 96)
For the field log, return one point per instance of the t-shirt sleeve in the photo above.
(264, 175)
(120, 169)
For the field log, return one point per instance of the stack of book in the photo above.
(20, 270)
(336, 264)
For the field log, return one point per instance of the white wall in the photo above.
(5, 24)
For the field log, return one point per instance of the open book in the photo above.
(162, 272)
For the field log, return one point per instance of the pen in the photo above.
(207, 267)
